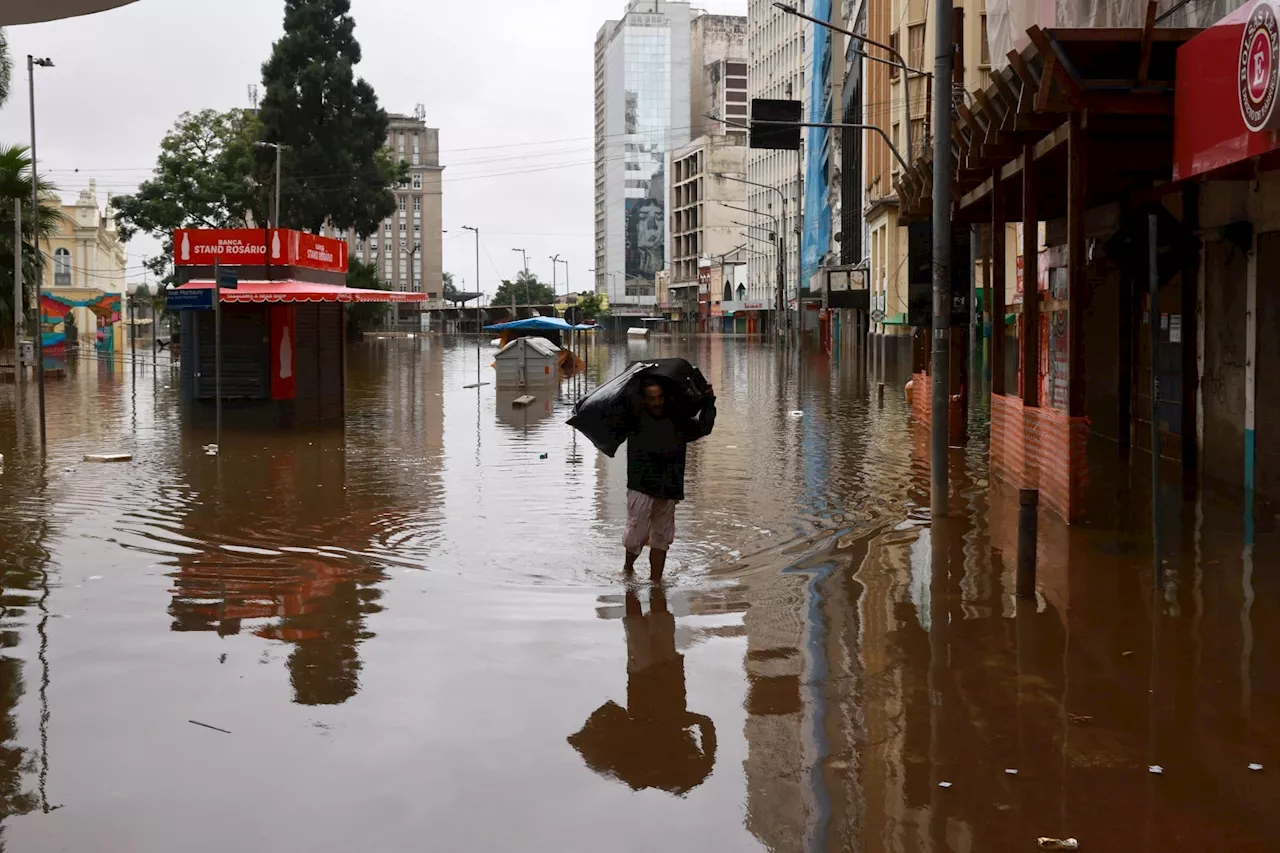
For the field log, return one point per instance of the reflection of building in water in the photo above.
(22, 607)
(656, 741)
(319, 607)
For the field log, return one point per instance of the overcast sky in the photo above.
(509, 83)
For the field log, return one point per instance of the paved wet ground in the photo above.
(413, 634)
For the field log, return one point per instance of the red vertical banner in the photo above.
(284, 351)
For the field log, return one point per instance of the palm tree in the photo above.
(6, 67)
(15, 184)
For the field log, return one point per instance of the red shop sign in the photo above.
(315, 252)
(232, 247)
(1225, 102)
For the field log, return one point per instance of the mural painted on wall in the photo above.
(646, 240)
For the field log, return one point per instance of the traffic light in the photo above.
(775, 124)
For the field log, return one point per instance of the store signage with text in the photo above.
(255, 247)
(1258, 75)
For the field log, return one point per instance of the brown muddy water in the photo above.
(413, 633)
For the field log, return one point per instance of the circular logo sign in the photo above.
(1258, 73)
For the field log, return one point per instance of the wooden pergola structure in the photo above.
(1080, 119)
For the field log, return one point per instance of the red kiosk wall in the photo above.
(284, 351)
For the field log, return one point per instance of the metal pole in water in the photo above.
(217, 353)
(1153, 320)
(941, 364)
(1028, 523)
(18, 307)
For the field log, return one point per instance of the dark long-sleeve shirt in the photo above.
(656, 451)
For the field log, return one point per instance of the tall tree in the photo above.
(336, 167)
(6, 67)
(15, 183)
(524, 290)
(203, 179)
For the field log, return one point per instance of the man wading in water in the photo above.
(655, 474)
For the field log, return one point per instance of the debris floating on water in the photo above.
(1125, 654)
(1156, 769)
(211, 450)
(1011, 771)
(108, 457)
(1255, 767)
(543, 456)
(207, 726)
(1057, 844)
(797, 414)
(944, 784)
(1080, 719)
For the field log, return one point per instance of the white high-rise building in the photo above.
(775, 69)
(642, 112)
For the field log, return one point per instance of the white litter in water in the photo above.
(1255, 767)
(95, 577)
(944, 784)
(1011, 771)
(211, 450)
(797, 414)
(1156, 769)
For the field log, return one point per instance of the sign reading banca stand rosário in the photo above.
(242, 247)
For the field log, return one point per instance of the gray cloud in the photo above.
(509, 83)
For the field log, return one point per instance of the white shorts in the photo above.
(650, 521)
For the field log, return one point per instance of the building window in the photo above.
(417, 182)
(359, 245)
(400, 203)
(985, 53)
(893, 43)
(417, 204)
(62, 268)
(915, 45)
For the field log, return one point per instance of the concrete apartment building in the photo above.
(775, 69)
(702, 227)
(408, 250)
(642, 109)
(707, 218)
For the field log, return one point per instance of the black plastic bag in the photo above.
(605, 415)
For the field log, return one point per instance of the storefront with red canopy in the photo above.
(283, 324)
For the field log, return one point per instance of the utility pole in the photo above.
(18, 308)
(479, 300)
(527, 300)
(275, 220)
(941, 368)
(32, 62)
(555, 268)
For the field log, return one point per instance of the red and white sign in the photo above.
(254, 247)
(1228, 83)
(231, 247)
(1257, 71)
(284, 351)
(315, 252)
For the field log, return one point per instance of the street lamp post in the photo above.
(275, 223)
(32, 62)
(479, 300)
(780, 306)
(527, 300)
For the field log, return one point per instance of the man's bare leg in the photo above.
(629, 568)
(657, 562)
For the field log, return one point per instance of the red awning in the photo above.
(304, 291)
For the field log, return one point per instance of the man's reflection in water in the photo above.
(655, 742)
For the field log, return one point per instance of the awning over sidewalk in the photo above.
(304, 291)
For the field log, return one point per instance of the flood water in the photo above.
(413, 633)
